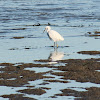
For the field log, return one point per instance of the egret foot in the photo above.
(57, 45)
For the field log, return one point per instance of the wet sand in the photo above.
(81, 70)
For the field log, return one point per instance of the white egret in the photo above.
(53, 35)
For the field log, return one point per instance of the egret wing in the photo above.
(55, 36)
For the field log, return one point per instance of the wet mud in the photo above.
(18, 29)
(89, 52)
(16, 76)
(97, 32)
(75, 69)
(17, 37)
(91, 94)
(80, 70)
(33, 91)
(93, 34)
(58, 46)
(38, 24)
(17, 97)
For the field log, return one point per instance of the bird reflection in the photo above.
(55, 56)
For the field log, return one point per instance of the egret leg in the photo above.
(56, 44)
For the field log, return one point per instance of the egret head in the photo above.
(47, 28)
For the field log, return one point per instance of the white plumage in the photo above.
(53, 35)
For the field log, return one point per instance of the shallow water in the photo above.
(27, 19)
(71, 19)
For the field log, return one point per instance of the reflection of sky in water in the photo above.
(70, 21)
(38, 50)
(39, 70)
